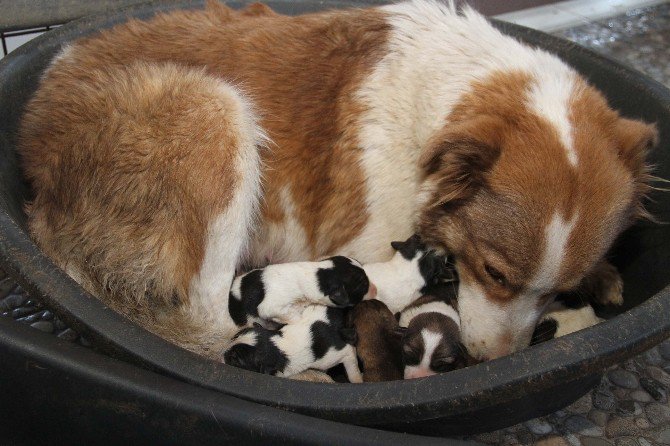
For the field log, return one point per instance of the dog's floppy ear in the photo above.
(635, 139)
(460, 156)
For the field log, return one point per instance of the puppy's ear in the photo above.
(397, 245)
(460, 156)
(398, 332)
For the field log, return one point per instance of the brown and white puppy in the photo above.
(152, 183)
(431, 341)
(378, 341)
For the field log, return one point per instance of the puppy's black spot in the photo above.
(345, 283)
(544, 331)
(252, 293)
(264, 357)
(327, 335)
(410, 247)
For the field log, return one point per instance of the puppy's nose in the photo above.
(372, 292)
(418, 373)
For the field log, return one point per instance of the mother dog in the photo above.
(165, 154)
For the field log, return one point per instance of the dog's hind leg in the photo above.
(148, 197)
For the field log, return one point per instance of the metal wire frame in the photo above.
(4, 35)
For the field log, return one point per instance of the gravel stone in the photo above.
(580, 425)
(594, 441)
(12, 301)
(640, 395)
(627, 441)
(659, 375)
(619, 426)
(664, 349)
(653, 387)
(604, 399)
(509, 440)
(45, 326)
(620, 393)
(524, 437)
(573, 440)
(657, 413)
(552, 441)
(538, 427)
(644, 442)
(582, 405)
(653, 356)
(22, 311)
(31, 318)
(60, 325)
(662, 436)
(642, 423)
(47, 315)
(490, 437)
(629, 408)
(598, 417)
(623, 378)
(68, 334)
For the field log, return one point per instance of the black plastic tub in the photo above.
(529, 383)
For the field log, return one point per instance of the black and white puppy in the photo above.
(405, 277)
(567, 314)
(431, 342)
(318, 340)
(279, 293)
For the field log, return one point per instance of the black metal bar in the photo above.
(4, 44)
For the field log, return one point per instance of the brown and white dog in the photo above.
(164, 154)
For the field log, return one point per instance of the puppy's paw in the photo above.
(315, 376)
(606, 285)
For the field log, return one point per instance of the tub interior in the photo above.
(642, 253)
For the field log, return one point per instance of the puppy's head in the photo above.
(252, 349)
(432, 344)
(345, 283)
(528, 185)
(429, 268)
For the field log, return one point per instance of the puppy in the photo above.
(318, 340)
(151, 181)
(431, 342)
(410, 271)
(568, 314)
(279, 293)
(378, 346)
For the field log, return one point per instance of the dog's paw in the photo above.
(315, 376)
(606, 285)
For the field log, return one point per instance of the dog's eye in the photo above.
(495, 274)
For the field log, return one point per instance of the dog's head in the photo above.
(345, 282)
(528, 185)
